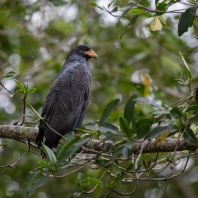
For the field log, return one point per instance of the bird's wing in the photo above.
(66, 102)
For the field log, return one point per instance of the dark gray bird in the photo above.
(68, 97)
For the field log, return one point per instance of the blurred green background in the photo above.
(35, 38)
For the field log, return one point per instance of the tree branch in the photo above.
(21, 133)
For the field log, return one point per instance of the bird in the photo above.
(68, 97)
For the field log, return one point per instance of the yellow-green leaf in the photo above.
(155, 24)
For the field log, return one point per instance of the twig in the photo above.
(11, 165)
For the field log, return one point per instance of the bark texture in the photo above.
(21, 133)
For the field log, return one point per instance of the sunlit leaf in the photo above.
(93, 181)
(158, 130)
(187, 69)
(19, 91)
(155, 24)
(162, 19)
(31, 90)
(146, 83)
(161, 137)
(20, 85)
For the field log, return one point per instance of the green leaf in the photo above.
(156, 2)
(150, 103)
(66, 165)
(161, 7)
(124, 125)
(58, 2)
(109, 136)
(126, 150)
(187, 69)
(108, 109)
(158, 130)
(129, 6)
(116, 153)
(68, 137)
(92, 4)
(31, 90)
(34, 111)
(142, 127)
(136, 11)
(74, 147)
(130, 25)
(186, 19)
(49, 153)
(38, 183)
(32, 174)
(93, 181)
(20, 85)
(129, 108)
(176, 113)
(114, 10)
(19, 91)
(162, 20)
(189, 137)
(65, 147)
(106, 127)
(146, 160)
(192, 108)
(159, 112)
(110, 4)
(95, 5)
(9, 74)
(193, 119)
(44, 164)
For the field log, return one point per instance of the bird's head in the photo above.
(86, 52)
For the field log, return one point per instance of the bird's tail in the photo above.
(39, 137)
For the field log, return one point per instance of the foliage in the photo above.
(136, 82)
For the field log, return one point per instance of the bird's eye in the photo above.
(86, 48)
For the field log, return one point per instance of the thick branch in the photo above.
(21, 133)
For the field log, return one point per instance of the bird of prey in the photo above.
(67, 98)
